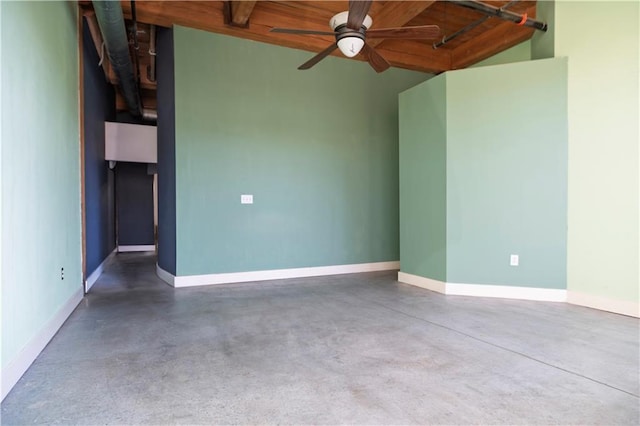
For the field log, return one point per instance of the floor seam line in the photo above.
(507, 349)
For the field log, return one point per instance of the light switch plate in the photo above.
(246, 199)
(514, 260)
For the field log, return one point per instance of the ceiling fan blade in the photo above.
(320, 56)
(422, 32)
(357, 12)
(296, 31)
(376, 60)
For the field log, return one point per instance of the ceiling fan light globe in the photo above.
(350, 46)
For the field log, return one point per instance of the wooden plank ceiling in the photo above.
(253, 20)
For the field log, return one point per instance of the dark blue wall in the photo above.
(134, 196)
(99, 106)
(134, 203)
(166, 152)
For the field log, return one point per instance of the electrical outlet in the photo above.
(62, 274)
(246, 199)
(514, 260)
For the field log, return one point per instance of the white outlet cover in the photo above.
(246, 199)
(514, 260)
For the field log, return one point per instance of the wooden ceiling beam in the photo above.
(96, 36)
(501, 37)
(397, 14)
(208, 16)
(241, 11)
(426, 59)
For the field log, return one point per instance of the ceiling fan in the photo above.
(351, 29)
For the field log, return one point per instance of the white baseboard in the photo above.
(483, 290)
(274, 274)
(125, 249)
(604, 303)
(423, 282)
(21, 362)
(91, 279)
(508, 292)
(165, 276)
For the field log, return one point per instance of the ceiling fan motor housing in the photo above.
(340, 19)
(343, 32)
(349, 40)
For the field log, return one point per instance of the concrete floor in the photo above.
(358, 349)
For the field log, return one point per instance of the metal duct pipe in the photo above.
(502, 14)
(152, 53)
(114, 34)
(447, 39)
(469, 27)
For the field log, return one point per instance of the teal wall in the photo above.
(41, 228)
(318, 150)
(507, 174)
(604, 163)
(494, 150)
(423, 179)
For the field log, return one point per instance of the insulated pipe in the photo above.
(136, 47)
(502, 14)
(114, 34)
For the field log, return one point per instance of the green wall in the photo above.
(483, 169)
(507, 174)
(1, 239)
(602, 42)
(423, 179)
(542, 43)
(318, 150)
(518, 53)
(41, 228)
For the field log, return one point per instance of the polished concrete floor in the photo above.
(355, 349)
